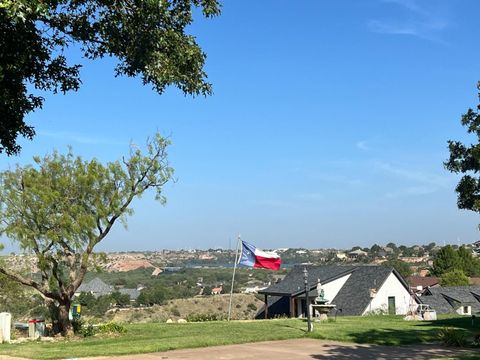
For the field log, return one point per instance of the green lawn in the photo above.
(145, 338)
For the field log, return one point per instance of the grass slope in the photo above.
(153, 337)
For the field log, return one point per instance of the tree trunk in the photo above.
(64, 324)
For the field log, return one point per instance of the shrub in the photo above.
(77, 326)
(252, 307)
(80, 328)
(238, 306)
(453, 337)
(175, 311)
(203, 317)
(112, 328)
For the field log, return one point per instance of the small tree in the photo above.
(454, 278)
(401, 266)
(446, 260)
(60, 208)
(469, 264)
(120, 299)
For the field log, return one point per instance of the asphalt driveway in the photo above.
(299, 349)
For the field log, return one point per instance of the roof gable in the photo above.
(293, 283)
(354, 297)
(96, 286)
(446, 299)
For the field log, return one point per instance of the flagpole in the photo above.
(233, 279)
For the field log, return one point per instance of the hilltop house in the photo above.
(357, 253)
(420, 284)
(97, 288)
(354, 289)
(463, 300)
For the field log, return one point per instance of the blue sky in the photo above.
(328, 127)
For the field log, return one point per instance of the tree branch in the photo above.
(28, 282)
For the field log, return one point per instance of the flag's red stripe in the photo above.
(267, 263)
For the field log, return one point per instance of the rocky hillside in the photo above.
(244, 307)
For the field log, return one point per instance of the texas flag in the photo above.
(256, 258)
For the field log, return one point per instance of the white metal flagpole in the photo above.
(233, 278)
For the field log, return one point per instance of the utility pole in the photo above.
(307, 300)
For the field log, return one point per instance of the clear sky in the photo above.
(328, 127)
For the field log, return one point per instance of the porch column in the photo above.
(266, 306)
(292, 307)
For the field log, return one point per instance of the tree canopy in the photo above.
(447, 259)
(454, 278)
(61, 207)
(465, 159)
(147, 37)
(401, 266)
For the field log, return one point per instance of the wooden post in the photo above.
(292, 307)
(266, 306)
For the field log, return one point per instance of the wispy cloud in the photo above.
(362, 145)
(80, 138)
(417, 182)
(421, 22)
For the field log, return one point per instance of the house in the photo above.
(354, 289)
(217, 290)
(463, 300)
(98, 288)
(420, 283)
(357, 253)
(476, 247)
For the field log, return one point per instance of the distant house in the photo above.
(97, 288)
(463, 300)
(357, 253)
(420, 283)
(476, 247)
(217, 290)
(253, 289)
(355, 290)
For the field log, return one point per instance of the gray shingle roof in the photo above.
(133, 293)
(293, 284)
(96, 287)
(353, 298)
(448, 299)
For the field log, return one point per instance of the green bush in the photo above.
(252, 307)
(81, 328)
(112, 328)
(453, 337)
(175, 311)
(203, 317)
(77, 326)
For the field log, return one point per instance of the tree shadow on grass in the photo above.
(418, 352)
(422, 332)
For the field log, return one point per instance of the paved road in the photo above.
(296, 350)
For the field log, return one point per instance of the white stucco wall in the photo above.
(391, 287)
(332, 288)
